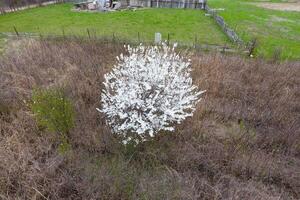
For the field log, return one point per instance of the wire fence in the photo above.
(176, 4)
(231, 34)
(90, 34)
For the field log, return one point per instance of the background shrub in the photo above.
(53, 110)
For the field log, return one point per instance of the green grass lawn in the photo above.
(182, 25)
(275, 30)
(271, 1)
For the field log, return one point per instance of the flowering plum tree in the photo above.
(148, 90)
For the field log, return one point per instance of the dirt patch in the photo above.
(280, 6)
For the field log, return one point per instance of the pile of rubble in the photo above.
(100, 5)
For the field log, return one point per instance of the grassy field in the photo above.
(276, 31)
(272, 1)
(182, 25)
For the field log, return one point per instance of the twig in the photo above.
(40, 193)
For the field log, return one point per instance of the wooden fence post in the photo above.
(63, 32)
(252, 47)
(223, 49)
(113, 38)
(40, 34)
(88, 32)
(16, 31)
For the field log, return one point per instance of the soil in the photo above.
(281, 6)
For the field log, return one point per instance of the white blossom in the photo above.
(148, 90)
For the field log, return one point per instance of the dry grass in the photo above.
(242, 143)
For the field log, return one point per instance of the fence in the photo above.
(113, 38)
(228, 31)
(12, 5)
(192, 4)
(7, 6)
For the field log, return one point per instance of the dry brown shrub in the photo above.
(242, 143)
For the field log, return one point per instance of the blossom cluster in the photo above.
(148, 90)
